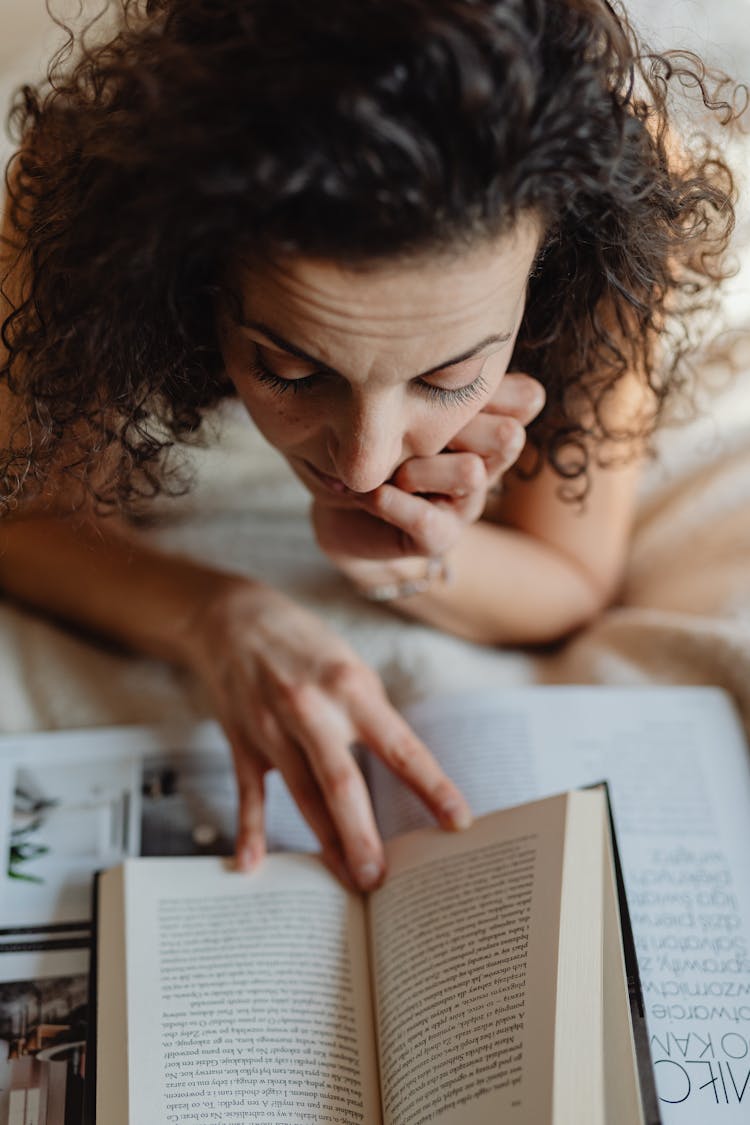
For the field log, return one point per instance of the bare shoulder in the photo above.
(593, 533)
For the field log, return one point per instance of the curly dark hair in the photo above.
(355, 131)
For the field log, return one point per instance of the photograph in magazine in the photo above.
(44, 1019)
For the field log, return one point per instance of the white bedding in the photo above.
(684, 615)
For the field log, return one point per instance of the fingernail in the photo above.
(246, 859)
(369, 875)
(457, 814)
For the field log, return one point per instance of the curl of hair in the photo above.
(359, 132)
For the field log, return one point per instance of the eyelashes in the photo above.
(440, 395)
(458, 395)
(277, 383)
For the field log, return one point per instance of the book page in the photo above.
(248, 996)
(579, 1095)
(464, 937)
(677, 767)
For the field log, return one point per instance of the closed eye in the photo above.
(278, 383)
(454, 395)
(444, 396)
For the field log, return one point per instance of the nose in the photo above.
(366, 444)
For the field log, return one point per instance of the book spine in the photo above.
(647, 1081)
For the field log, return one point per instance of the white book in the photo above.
(484, 981)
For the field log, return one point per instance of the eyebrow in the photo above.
(300, 353)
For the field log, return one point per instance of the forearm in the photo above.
(508, 587)
(103, 578)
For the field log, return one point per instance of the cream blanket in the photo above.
(684, 615)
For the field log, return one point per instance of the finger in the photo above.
(250, 844)
(497, 439)
(325, 734)
(280, 751)
(519, 396)
(363, 535)
(388, 735)
(336, 864)
(306, 794)
(460, 478)
(348, 801)
(427, 527)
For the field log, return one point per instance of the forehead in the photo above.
(435, 297)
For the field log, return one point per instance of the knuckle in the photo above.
(400, 754)
(266, 728)
(299, 698)
(472, 475)
(511, 436)
(339, 782)
(425, 528)
(507, 430)
(342, 677)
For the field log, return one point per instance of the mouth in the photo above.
(333, 484)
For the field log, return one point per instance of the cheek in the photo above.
(431, 432)
(281, 419)
(283, 424)
(435, 426)
(431, 428)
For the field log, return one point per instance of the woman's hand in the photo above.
(291, 694)
(428, 502)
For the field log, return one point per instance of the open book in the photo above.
(676, 761)
(485, 981)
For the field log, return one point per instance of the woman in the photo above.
(391, 228)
